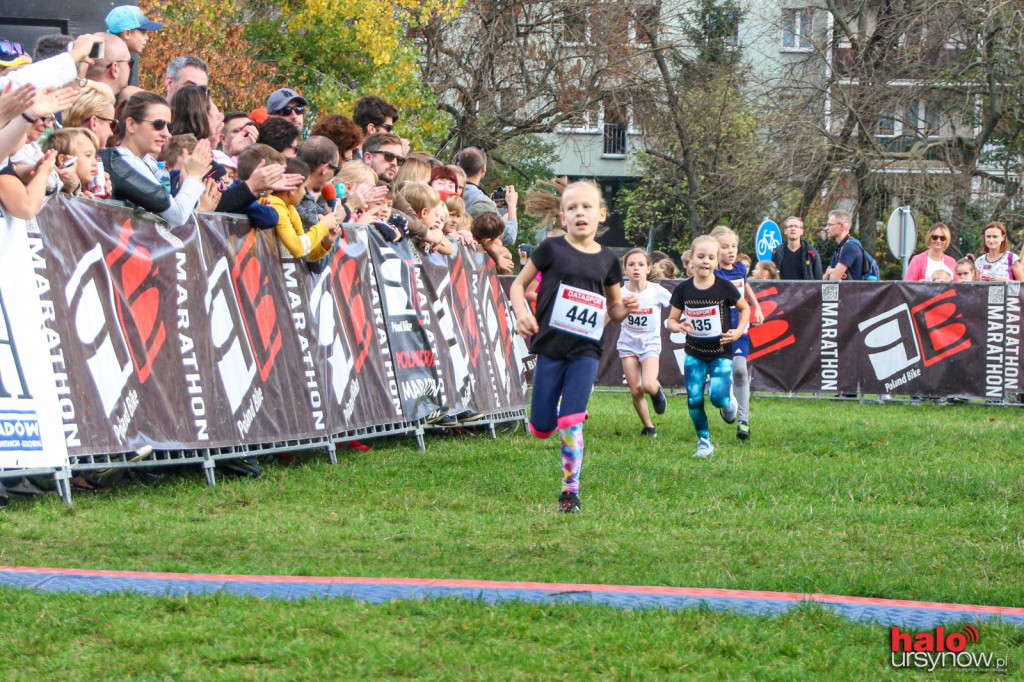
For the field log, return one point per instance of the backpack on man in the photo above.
(869, 272)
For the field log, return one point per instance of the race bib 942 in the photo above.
(579, 312)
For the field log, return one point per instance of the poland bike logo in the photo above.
(939, 649)
(901, 337)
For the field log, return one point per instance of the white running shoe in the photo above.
(704, 448)
(729, 412)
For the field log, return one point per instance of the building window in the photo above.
(797, 28)
(587, 121)
(725, 25)
(615, 119)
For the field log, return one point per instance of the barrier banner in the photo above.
(113, 290)
(905, 338)
(458, 350)
(931, 339)
(419, 386)
(347, 305)
(527, 360)
(497, 328)
(256, 340)
(31, 430)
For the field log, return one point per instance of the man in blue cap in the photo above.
(128, 22)
(288, 104)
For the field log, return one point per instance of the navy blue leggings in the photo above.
(570, 381)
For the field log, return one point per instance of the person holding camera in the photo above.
(473, 160)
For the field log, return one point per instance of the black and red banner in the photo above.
(205, 337)
(904, 338)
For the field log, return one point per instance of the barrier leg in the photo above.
(332, 453)
(490, 430)
(208, 469)
(62, 479)
(420, 443)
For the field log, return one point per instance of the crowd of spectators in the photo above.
(75, 121)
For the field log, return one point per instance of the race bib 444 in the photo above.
(579, 312)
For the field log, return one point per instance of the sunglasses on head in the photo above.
(286, 111)
(158, 124)
(10, 50)
(389, 157)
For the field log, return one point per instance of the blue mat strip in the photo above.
(922, 615)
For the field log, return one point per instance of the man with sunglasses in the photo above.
(383, 153)
(847, 263)
(115, 67)
(288, 104)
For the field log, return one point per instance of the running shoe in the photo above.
(659, 401)
(436, 416)
(729, 411)
(649, 431)
(743, 431)
(704, 448)
(468, 417)
(568, 503)
(447, 421)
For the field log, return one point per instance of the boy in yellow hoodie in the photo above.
(292, 238)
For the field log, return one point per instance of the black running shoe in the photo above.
(447, 421)
(468, 417)
(568, 503)
(649, 431)
(743, 431)
(659, 401)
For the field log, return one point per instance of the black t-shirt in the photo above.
(559, 262)
(708, 309)
(792, 264)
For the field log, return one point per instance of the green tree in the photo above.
(336, 51)
(706, 160)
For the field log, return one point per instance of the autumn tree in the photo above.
(336, 51)
(706, 160)
(906, 102)
(332, 51)
(213, 31)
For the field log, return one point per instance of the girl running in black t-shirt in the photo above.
(579, 291)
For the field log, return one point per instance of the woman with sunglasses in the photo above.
(924, 264)
(145, 127)
(93, 109)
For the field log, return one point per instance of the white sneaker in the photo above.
(729, 412)
(704, 448)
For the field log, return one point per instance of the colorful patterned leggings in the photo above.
(696, 371)
(561, 391)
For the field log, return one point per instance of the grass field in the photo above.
(898, 501)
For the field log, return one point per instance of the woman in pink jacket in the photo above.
(924, 264)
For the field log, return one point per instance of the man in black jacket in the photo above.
(795, 258)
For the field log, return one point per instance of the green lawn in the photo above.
(898, 501)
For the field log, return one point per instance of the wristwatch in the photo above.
(82, 82)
